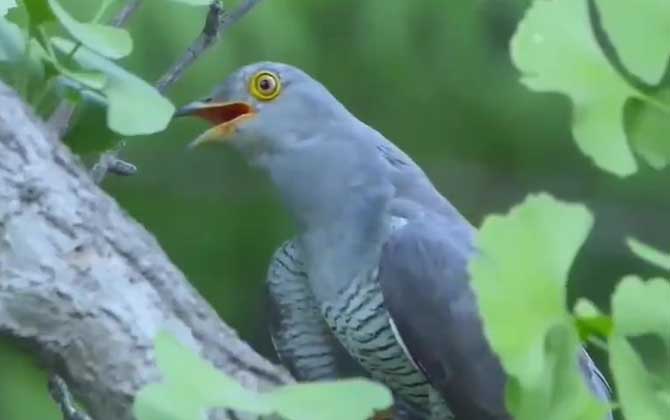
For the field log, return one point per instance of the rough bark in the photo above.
(86, 287)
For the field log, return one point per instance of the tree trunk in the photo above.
(86, 287)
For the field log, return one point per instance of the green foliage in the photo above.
(541, 50)
(641, 312)
(590, 321)
(649, 254)
(639, 31)
(539, 352)
(611, 115)
(81, 68)
(12, 45)
(106, 40)
(133, 106)
(191, 386)
(5, 5)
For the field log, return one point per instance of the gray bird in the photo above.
(378, 269)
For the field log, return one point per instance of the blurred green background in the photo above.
(433, 76)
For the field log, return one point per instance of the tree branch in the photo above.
(86, 287)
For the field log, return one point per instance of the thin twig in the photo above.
(61, 394)
(210, 32)
(216, 23)
(122, 18)
(61, 119)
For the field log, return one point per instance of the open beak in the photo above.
(226, 116)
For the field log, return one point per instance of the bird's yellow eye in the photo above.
(265, 86)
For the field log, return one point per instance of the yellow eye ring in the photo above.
(265, 86)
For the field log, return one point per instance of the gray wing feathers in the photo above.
(423, 275)
(595, 379)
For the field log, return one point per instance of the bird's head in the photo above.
(265, 108)
(324, 161)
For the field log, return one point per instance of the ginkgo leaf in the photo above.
(134, 106)
(5, 5)
(106, 40)
(640, 33)
(590, 321)
(641, 314)
(556, 51)
(12, 41)
(521, 290)
(649, 253)
(533, 271)
(345, 399)
(648, 127)
(190, 386)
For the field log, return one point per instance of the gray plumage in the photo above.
(380, 257)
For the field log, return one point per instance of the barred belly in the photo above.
(362, 324)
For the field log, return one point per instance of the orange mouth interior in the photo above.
(225, 112)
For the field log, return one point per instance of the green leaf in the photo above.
(561, 392)
(555, 49)
(191, 386)
(134, 107)
(590, 321)
(106, 40)
(649, 254)
(648, 126)
(89, 79)
(533, 272)
(640, 32)
(345, 399)
(39, 12)
(521, 291)
(641, 309)
(12, 41)
(5, 5)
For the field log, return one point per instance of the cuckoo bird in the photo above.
(377, 271)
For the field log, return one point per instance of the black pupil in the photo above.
(265, 84)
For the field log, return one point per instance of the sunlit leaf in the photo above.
(190, 386)
(106, 40)
(533, 271)
(649, 254)
(5, 5)
(39, 12)
(521, 290)
(648, 126)
(555, 49)
(89, 79)
(641, 311)
(134, 107)
(639, 31)
(12, 41)
(590, 321)
(345, 399)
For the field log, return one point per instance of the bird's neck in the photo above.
(341, 208)
(342, 252)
